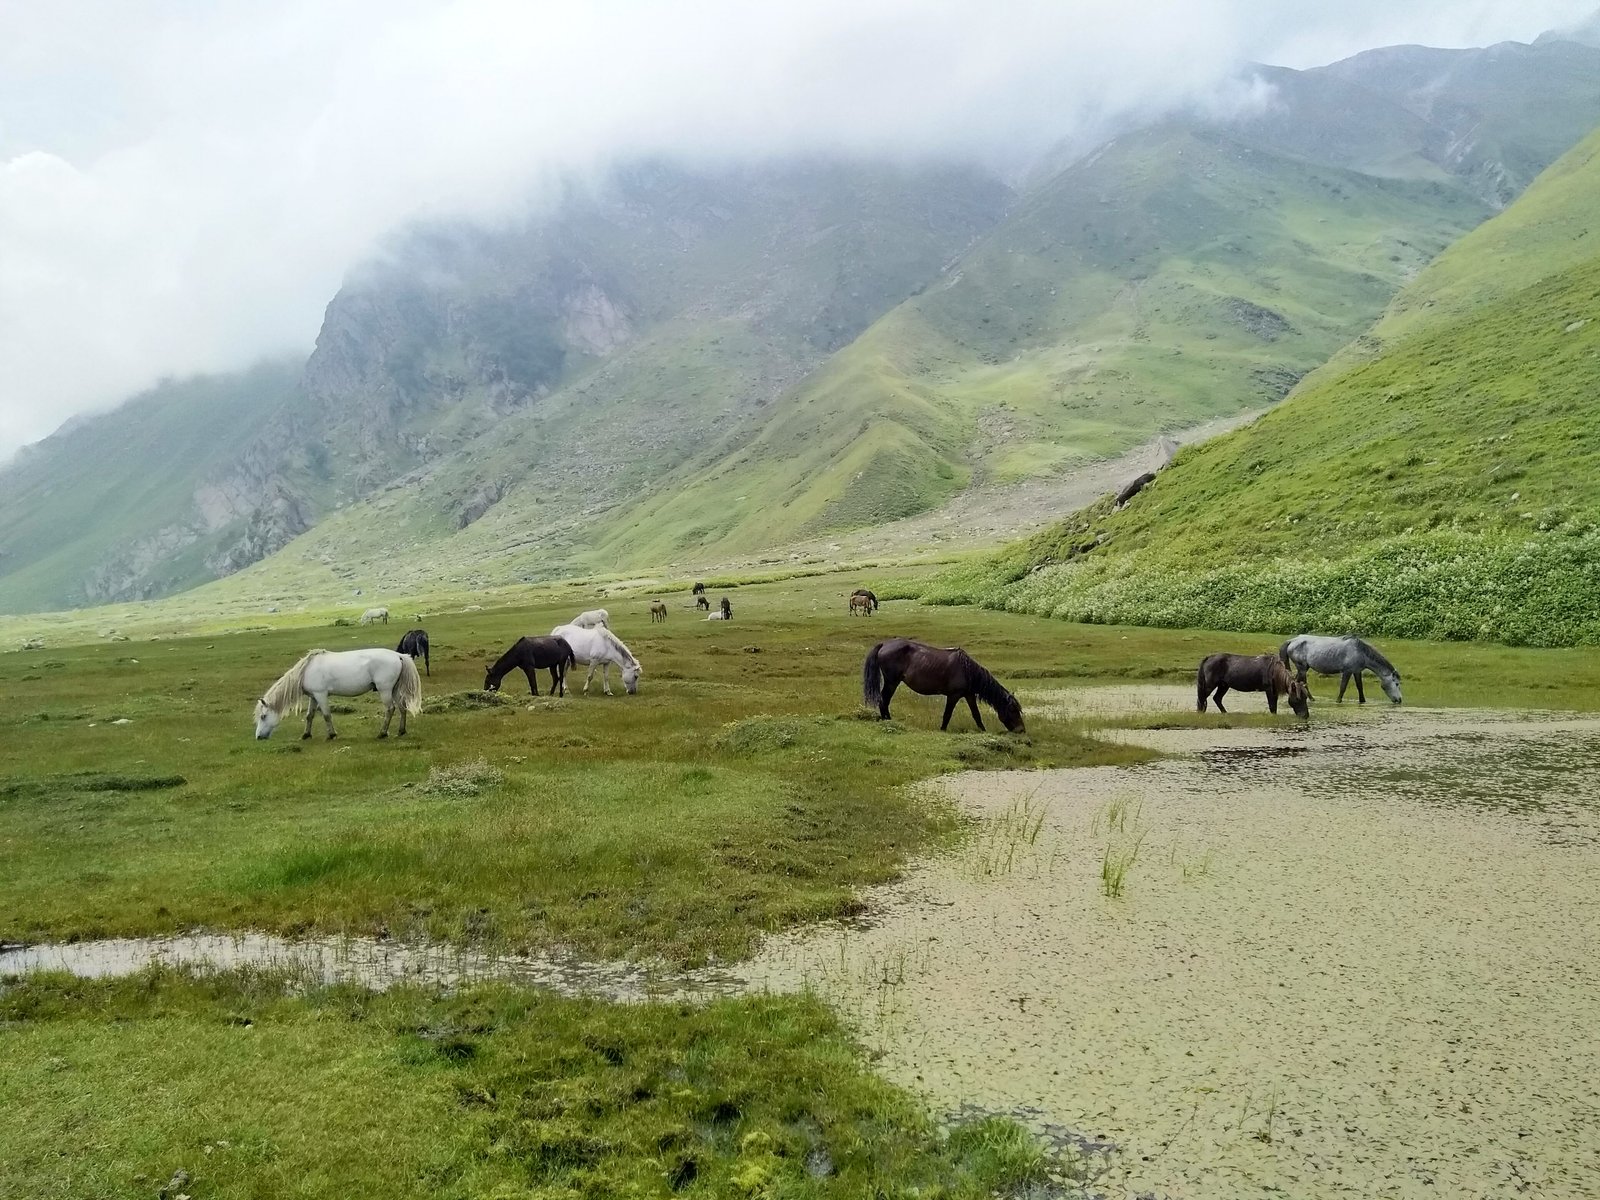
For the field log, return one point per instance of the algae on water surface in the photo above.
(1348, 970)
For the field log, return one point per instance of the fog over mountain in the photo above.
(183, 186)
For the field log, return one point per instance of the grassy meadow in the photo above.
(740, 792)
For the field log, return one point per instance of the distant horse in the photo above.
(599, 647)
(375, 614)
(1134, 488)
(931, 671)
(699, 589)
(531, 655)
(1346, 657)
(864, 602)
(415, 643)
(323, 673)
(594, 617)
(658, 611)
(724, 612)
(701, 604)
(1250, 673)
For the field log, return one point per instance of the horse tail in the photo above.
(1283, 652)
(872, 679)
(426, 662)
(1201, 682)
(408, 688)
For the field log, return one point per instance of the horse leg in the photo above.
(890, 682)
(388, 714)
(533, 679)
(1344, 682)
(1361, 694)
(327, 715)
(1272, 700)
(589, 678)
(1217, 699)
(605, 677)
(972, 703)
(311, 715)
(949, 707)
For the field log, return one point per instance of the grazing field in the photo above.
(739, 795)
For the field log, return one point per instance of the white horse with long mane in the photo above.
(375, 614)
(324, 673)
(599, 647)
(595, 616)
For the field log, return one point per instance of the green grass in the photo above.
(1445, 489)
(254, 1089)
(738, 793)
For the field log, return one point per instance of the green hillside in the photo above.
(679, 365)
(1447, 488)
(115, 495)
(1175, 276)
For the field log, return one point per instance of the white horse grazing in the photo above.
(375, 614)
(592, 618)
(324, 673)
(599, 647)
(718, 615)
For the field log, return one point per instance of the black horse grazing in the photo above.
(531, 654)
(931, 671)
(699, 589)
(415, 643)
(1134, 488)
(701, 604)
(1250, 673)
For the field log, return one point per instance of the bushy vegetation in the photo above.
(1447, 488)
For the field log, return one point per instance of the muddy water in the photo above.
(374, 964)
(1359, 960)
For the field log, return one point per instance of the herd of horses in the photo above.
(927, 670)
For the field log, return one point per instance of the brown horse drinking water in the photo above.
(1250, 673)
(932, 671)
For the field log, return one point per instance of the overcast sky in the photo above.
(183, 183)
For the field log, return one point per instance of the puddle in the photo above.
(1352, 960)
(374, 964)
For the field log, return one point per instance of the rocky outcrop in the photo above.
(267, 530)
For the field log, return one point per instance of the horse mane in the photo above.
(605, 632)
(990, 690)
(289, 693)
(1372, 653)
(507, 662)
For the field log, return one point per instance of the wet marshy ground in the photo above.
(1360, 958)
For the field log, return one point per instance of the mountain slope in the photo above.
(117, 496)
(682, 365)
(1449, 487)
(564, 360)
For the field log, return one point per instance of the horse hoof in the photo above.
(383, 734)
(305, 737)
(331, 736)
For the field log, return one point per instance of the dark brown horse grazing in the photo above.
(931, 671)
(531, 654)
(1250, 673)
(699, 589)
(701, 604)
(863, 600)
(415, 643)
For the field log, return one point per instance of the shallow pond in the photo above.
(1359, 959)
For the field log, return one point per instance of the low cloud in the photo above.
(182, 186)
